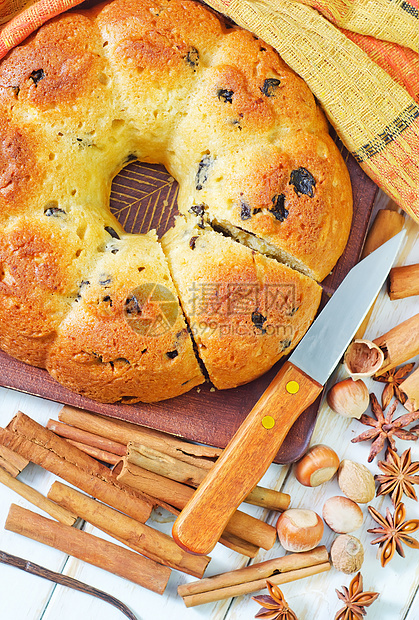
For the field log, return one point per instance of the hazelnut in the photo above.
(342, 515)
(299, 530)
(356, 481)
(363, 358)
(347, 554)
(318, 465)
(349, 398)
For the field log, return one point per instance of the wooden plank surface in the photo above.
(144, 197)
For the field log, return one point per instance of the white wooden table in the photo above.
(25, 597)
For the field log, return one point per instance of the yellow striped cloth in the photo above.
(21, 18)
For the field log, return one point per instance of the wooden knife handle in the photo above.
(244, 461)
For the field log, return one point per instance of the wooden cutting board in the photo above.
(144, 197)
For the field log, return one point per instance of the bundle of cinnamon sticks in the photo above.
(168, 469)
(150, 469)
(121, 511)
(253, 578)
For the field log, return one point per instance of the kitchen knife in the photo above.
(296, 386)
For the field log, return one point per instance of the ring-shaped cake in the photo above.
(264, 199)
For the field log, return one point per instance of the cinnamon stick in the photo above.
(186, 473)
(124, 432)
(139, 537)
(387, 224)
(89, 439)
(403, 282)
(37, 499)
(227, 539)
(254, 572)
(96, 453)
(238, 544)
(12, 462)
(252, 578)
(268, 498)
(253, 586)
(241, 524)
(37, 434)
(410, 387)
(164, 465)
(88, 548)
(399, 344)
(66, 461)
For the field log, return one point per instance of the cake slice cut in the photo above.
(125, 337)
(245, 310)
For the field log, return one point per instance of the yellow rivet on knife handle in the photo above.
(268, 422)
(292, 387)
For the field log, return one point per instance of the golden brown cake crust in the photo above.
(126, 338)
(245, 310)
(167, 82)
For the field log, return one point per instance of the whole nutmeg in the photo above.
(356, 481)
(349, 398)
(299, 530)
(362, 359)
(347, 554)
(318, 465)
(342, 515)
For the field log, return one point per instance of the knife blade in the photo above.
(296, 386)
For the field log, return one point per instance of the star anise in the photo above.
(393, 378)
(384, 427)
(398, 477)
(275, 606)
(355, 600)
(393, 531)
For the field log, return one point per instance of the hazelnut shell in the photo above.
(317, 466)
(349, 398)
(299, 530)
(362, 358)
